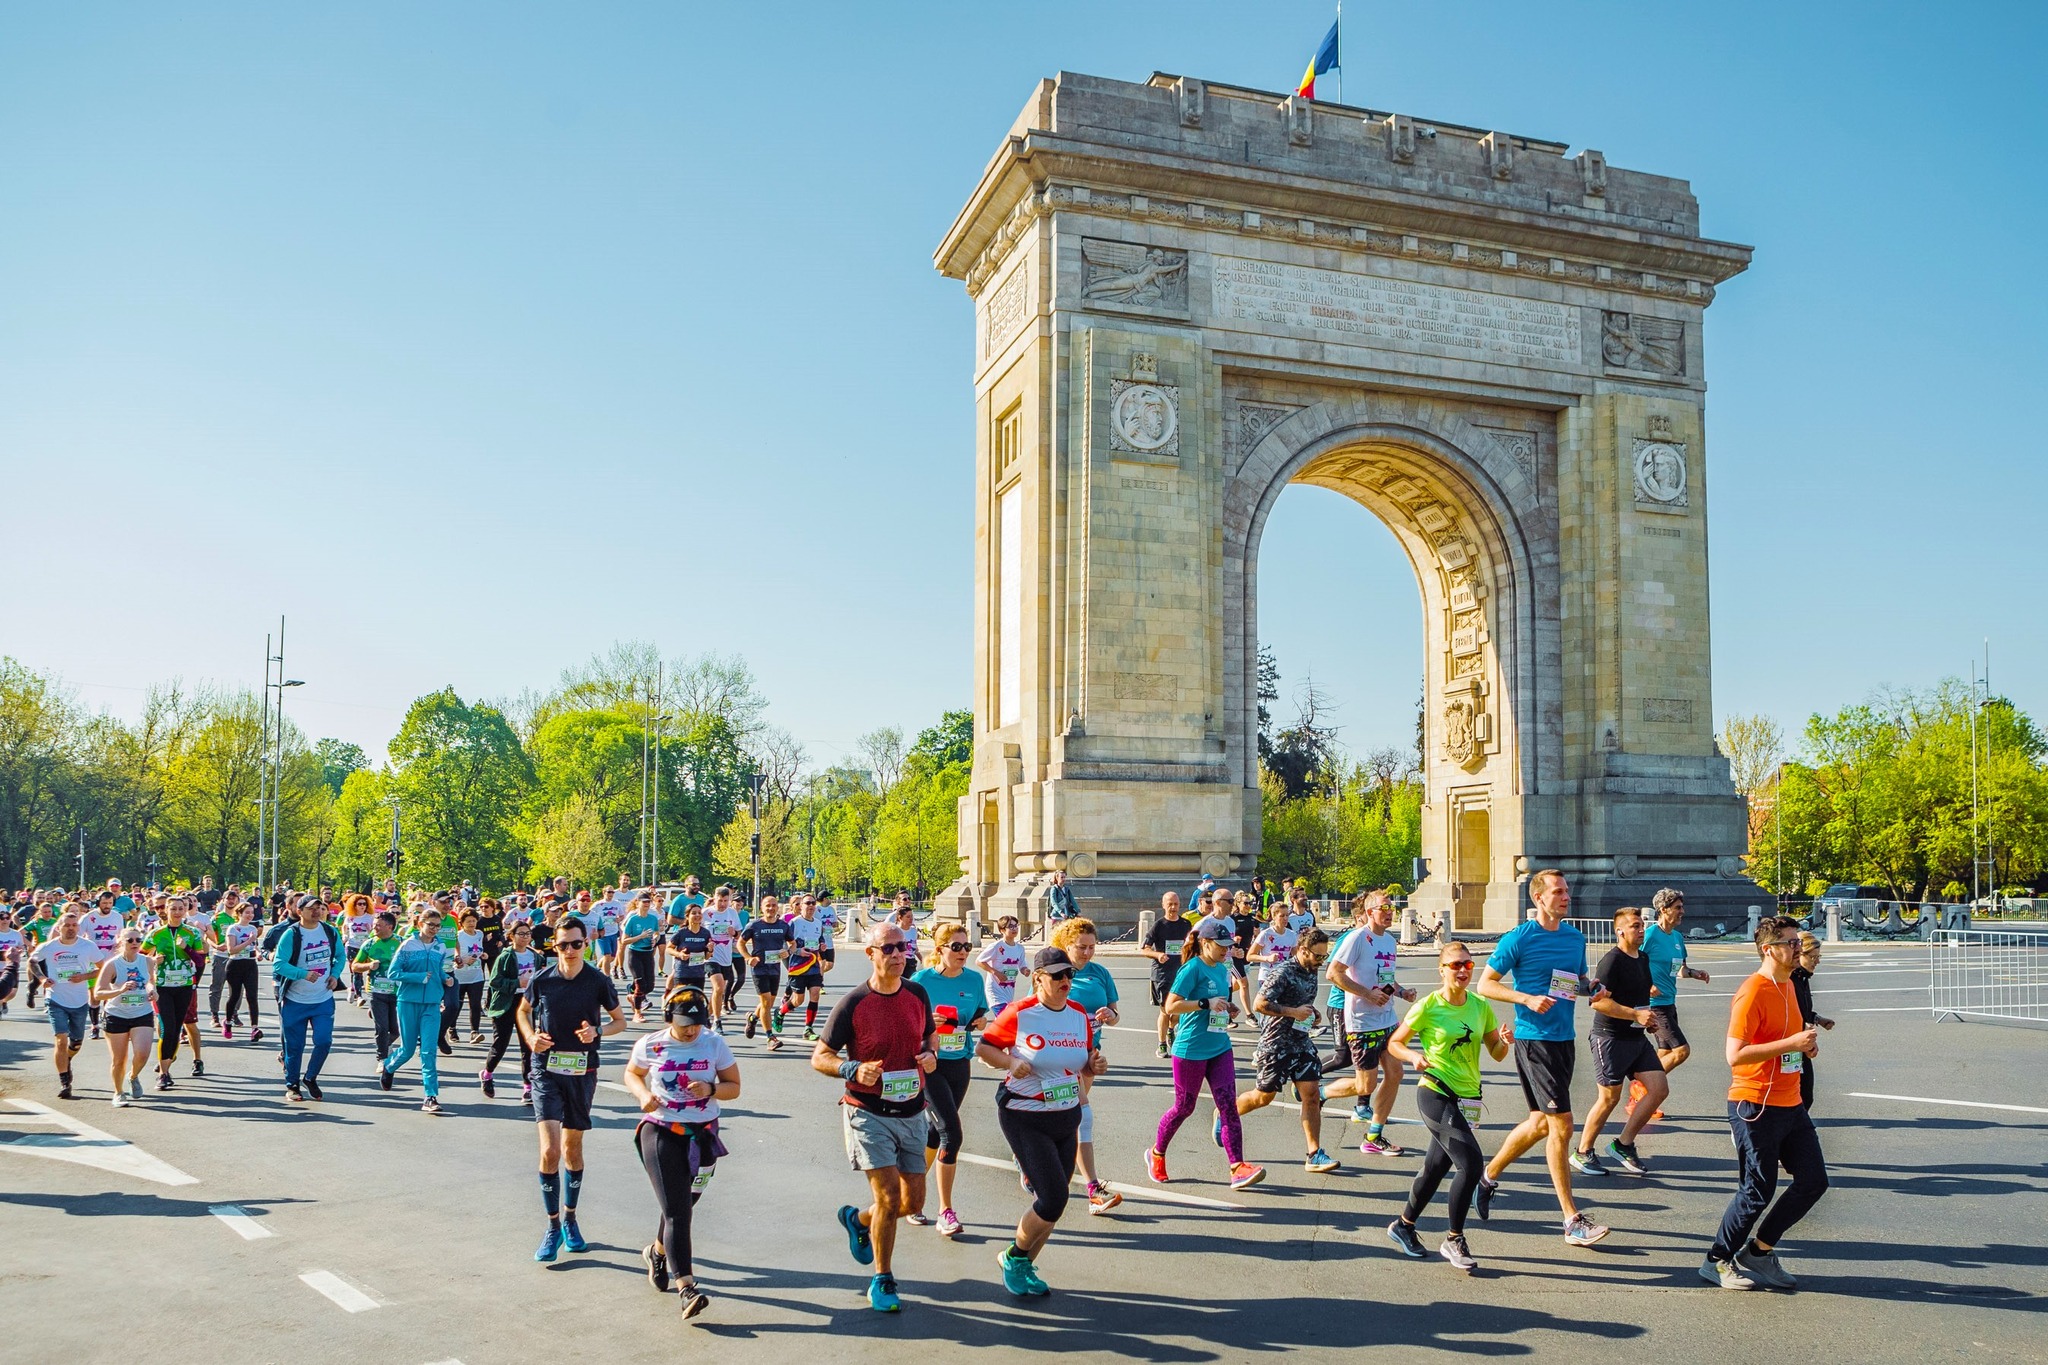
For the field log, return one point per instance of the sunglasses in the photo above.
(960, 947)
(1465, 966)
(568, 943)
(891, 949)
(1061, 977)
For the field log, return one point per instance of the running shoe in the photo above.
(1216, 1130)
(313, 1088)
(1585, 1163)
(858, 1244)
(1244, 1175)
(572, 1236)
(295, 1095)
(383, 1079)
(227, 1031)
(1361, 1113)
(1765, 1269)
(752, 1023)
(1162, 1052)
(1381, 1146)
(1457, 1253)
(810, 1035)
(917, 1220)
(135, 1087)
(1727, 1274)
(949, 1223)
(120, 1099)
(1402, 1235)
(1320, 1162)
(1630, 1162)
(1582, 1231)
(694, 1301)
(490, 1088)
(447, 1048)
(64, 1090)
(526, 1092)
(1101, 1198)
(163, 1081)
(657, 1267)
(1482, 1203)
(95, 1030)
(1020, 1277)
(430, 1105)
(882, 1294)
(198, 1067)
(1155, 1167)
(256, 1035)
(550, 1244)
(775, 1042)
(476, 1038)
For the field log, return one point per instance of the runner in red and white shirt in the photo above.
(1042, 1045)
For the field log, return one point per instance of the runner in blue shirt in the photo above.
(1539, 967)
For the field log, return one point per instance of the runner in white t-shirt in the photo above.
(1003, 961)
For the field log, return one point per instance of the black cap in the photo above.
(1049, 958)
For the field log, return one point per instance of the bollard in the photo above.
(1756, 914)
(1834, 923)
(974, 928)
(1407, 925)
(1145, 919)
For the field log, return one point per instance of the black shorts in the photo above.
(562, 1099)
(127, 1023)
(1618, 1056)
(1279, 1067)
(1367, 1048)
(1546, 1071)
(767, 981)
(812, 980)
(1664, 1029)
(1236, 971)
(689, 976)
(732, 977)
(1162, 982)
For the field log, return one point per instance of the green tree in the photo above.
(38, 722)
(570, 841)
(361, 826)
(338, 758)
(461, 775)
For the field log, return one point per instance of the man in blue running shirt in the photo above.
(1539, 967)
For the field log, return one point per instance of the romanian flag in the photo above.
(1321, 64)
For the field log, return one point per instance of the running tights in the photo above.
(171, 1004)
(505, 1028)
(1451, 1144)
(1782, 1135)
(241, 979)
(640, 966)
(1219, 1073)
(384, 1017)
(1044, 1145)
(944, 1092)
(451, 1005)
(671, 1160)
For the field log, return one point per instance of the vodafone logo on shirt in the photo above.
(1035, 1041)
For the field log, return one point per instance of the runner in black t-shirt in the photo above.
(1622, 1048)
(766, 941)
(562, 1016)
(1162, 945)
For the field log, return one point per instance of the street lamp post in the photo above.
(754, 782)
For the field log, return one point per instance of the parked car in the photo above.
(1852, 891)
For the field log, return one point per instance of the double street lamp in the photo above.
(270, 764)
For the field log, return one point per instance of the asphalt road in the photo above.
(1929, 1245)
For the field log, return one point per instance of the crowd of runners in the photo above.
(557, 972)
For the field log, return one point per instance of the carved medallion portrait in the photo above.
(1145, 418)
(1660, 474)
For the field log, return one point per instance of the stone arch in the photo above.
(1437, 482)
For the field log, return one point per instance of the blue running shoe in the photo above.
(1020, 1276)
(858, 1243)
(550, 1245)
(882, 1294)
(1216, 1130)
(572, 1236)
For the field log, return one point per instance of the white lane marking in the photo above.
(1134, 1191)
(234, 1217)
(343, 1294)
(1959, 1104)
(1852, 990)
(84, 1145)
(1886, 1009)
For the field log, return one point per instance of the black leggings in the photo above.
(504, 1028)
(451, 1006)
(1451, 1143)
(944, 1092)
(1806, 1086)
(1044, 1145)
(171, 1004)
(384, 1016)
(241, 979)
(673, 1162)
(640, 964)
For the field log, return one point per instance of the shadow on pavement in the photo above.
(120, 1204)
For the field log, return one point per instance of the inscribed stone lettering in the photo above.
(1396, 313)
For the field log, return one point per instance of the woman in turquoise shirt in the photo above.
(1094, 990)
(959, 1000)
(1200, 1001)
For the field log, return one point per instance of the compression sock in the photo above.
(551, 1194)
(810, 1016)
(575, 1188)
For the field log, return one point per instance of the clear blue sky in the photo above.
(475, 337)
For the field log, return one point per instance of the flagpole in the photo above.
(1340, 51)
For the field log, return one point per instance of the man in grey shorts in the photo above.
(879, 1042)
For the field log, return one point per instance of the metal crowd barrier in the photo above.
(1986, 974)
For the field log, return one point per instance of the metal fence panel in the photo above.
(1985, 974)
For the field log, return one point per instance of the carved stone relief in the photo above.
(1460, 742)
(1005, 312)
(1127, 275)
(1522, 446)
(1631, 341)
(1660, 477)
(1144, 418)
(1254, 420)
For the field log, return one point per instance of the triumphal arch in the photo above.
(1188, 296)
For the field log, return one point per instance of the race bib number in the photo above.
(1564, 985)
(1386, 976)
(902, 1086)
(1219, 1014)
(771, 957)
(698, 959)
(1471, 1109)
(569, 1063)
(701, 1179)
(1061, 1092)
(1301, 1024)
(1792, 1063)
(132, 1000)
(176, 976)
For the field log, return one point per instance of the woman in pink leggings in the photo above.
(1200, 1005)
